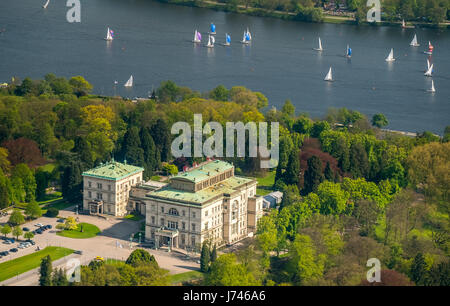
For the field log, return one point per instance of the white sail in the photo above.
(432, 89)
(108, 35)
(329, 76)
(429, 71)
(390, 57)
(403, 23)
(129, 83)
(414, 41)
(428, 64)
(46, 4)
(213, 40)
(195, 36)
(320, 46)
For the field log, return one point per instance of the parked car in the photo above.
(78, 252)
(39, 231)
(7, 242)
(12, 240)
(39, 225)
(60, 220)
(4, 253)
(31, 242)
(14, 250)
(49, 226)
(26, 229)
(99, 258)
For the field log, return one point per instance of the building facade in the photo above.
(205, 203)
(106, 188)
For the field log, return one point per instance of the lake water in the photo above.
(153, 43)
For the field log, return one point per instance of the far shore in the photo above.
(327, 18)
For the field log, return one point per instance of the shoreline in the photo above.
(260, 12)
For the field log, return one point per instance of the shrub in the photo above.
(52, 212)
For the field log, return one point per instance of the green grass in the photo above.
(48, 167)
(26, 263)
(51, 198)
(89, 231)
(265, 184)
(156, 178)
(186, 277)
(134, 217)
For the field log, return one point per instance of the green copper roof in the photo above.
(201, 173)
(113, 171)
(227, 186)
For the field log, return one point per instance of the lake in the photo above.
(153, 43)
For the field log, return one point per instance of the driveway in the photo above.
(113, 242)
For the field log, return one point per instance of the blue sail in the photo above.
(228, 38)
(213, 28)
(349, 51)
(247, 37)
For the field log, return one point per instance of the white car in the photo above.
(39, 225)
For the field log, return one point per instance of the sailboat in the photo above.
(390, 57)
(432, 89)
(246, 38)
(430, 49)
(320, 46)
(404, 26)
(227, 40)
(46, 4)
(213, 29)
(414, 41)
(129, 83)
(348, 52)
(249, 35)
(429, 71)
(197, 37)
(109, 35)
(211, 41)
(329, 76)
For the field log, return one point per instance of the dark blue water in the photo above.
(153, 42)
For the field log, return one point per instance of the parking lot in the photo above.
(113, 242)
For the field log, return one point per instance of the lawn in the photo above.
(26, 263)
(265, 184)
(134, 217)
(186, 277)
(89, 231)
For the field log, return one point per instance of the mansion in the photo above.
(207, 202)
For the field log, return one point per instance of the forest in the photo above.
(352, 191)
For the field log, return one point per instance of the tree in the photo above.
(28, 235)
(52, 212)
(359, 163)
(220, 93)
(131, 147)
(151, 156)
(33, 210)
(328, 173)
(70, 224)
(72, 181)
(6, 229)
(80, 86)
(205, 257)
(139, 257)
(390, 278)
(305, 261)
(313, 175)
(214, 254)
(41, 178)
(16, 218)
(59, 278)
(169, 169)
(225, 271)
(161, 135)
(45, 271)
(303, 125)
(292, 169)
(23, 172)
(379, 120)
(418, 271)
(333, 200)
(24, 150)
(17, 231)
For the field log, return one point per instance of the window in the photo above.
(183, 225)
(99, 196)
(109, 187)
(193, 215)
(173, 212)
(182, 239)
(233, 215)
(162, 209)
(89, 184)
(162, 222)
(206, 213)
(99, 186)
(89, 194)
(172, 225)
(183, 213)
(193, 241)
(193, 227)
(206, 225)
(153, 219)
